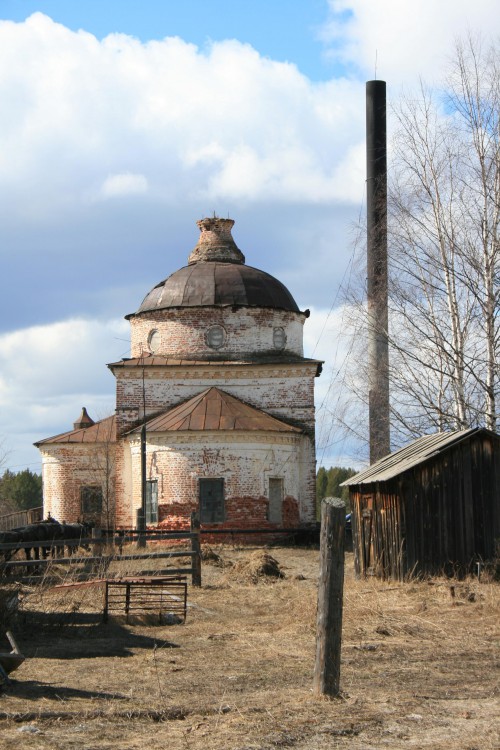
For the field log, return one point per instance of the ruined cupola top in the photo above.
(216, 242)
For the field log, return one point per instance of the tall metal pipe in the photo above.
(376, 200)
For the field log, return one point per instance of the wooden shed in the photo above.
(429, 508)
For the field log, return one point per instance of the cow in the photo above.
(48, 530)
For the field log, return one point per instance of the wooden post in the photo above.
(141, 515)
(331, 585)
(141, 528)
(97, 544)
(106, 602)
(196, 549)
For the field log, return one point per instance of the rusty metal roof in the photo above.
(219, 284)
(154, 360)
(406, 458)
(103, 431)
(214, 409)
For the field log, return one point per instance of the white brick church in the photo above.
(218, 378)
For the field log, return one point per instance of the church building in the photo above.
(216, 400)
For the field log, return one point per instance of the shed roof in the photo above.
(416, 453)
(214, 409)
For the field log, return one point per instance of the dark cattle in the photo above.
(48, 530)
(32, 534)
(73, 531)
(9, 537)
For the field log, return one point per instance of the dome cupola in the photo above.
(216, 275)
(217, 307)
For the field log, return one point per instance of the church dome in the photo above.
(216, 276)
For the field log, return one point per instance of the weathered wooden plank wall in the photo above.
(439, 516)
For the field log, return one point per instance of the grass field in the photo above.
(419, 666)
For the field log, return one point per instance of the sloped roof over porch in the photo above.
(103, 431)
(214, 409)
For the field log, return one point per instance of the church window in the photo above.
(90, 501)
(152, 501)
(279, 338)
(275, 513)
(212, 500)
(154, 341)
(216, 337)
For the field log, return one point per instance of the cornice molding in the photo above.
(201, 439)
(212, 372)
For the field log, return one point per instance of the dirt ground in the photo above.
(419, 666)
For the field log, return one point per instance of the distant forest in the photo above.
(20, 490)
(328, 483)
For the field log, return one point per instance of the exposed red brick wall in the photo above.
(69, 466)
(248, 330)
(286, 391)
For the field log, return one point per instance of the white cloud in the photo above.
(118, 185)
(70, 355)
(48, 373)
(166, 118)
(327, 337)
(404, 39)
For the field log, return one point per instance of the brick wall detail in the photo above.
(248, 330)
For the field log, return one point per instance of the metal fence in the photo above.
(104, 550)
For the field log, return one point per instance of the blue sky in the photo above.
(286, 30)
(125, 122)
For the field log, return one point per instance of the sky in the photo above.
(123, 123)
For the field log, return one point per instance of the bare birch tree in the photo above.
(445, 252)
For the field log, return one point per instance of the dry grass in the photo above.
(418, 667)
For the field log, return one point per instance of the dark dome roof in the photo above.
(211, 283)
(217, 276)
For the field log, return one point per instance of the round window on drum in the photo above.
(216, 337)
(154, 341)
(279, 338)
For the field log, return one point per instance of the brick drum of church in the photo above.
(218, 383)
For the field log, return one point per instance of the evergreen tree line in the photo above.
(20, 491)
(328, 483)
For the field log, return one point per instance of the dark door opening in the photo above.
(212, 500)
(275, 514)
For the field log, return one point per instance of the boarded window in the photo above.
(152, 501)
(90, 501)
(275, 513)
(212, 500)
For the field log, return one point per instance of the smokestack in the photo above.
(376, 204)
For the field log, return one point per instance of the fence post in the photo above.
(96, 542)
(330, 592)
(196, 549)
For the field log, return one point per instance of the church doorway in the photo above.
(212, 501)
(275, 500)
